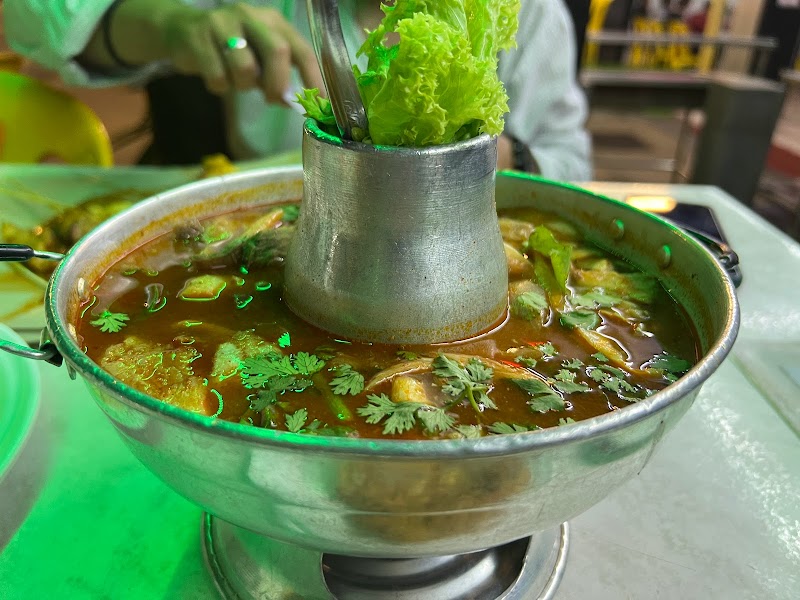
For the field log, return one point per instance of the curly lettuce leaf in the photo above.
(317, 107)
(439, 84)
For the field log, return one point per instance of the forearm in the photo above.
(136, 31)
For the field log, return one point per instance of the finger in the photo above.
(240, 62)
(197, 54)
(275, 55)
(304, 58)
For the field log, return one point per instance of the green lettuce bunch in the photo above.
(439, 84)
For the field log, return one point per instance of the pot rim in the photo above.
(412, 449)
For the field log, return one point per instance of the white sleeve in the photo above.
(53, 32)
(547, 107)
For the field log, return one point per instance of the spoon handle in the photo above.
(337, 72)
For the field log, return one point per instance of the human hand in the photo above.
(239, 47)
(234, 47)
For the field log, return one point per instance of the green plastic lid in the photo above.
(19, 400)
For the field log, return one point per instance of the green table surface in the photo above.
(715, 514)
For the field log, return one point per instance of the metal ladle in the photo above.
(337, 72)
(394, 245)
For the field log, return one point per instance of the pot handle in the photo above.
(47, 350)
(723, 253)
(21, 253)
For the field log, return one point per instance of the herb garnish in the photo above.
(276, 386)
(109, 322)
(347, 381)
(567, 421)
(470, 381)
(402, 416)
(543, 398)
(543, 242)
(529, 306)
(595, 299)
(295, 422)
(600, 357)
(565, 382)
(526, 361)
(285, 340)
(585, 319)
(470, 432)
(670, 364)
(256, 372)
(406, 355)
(547, 349)
(500, 428)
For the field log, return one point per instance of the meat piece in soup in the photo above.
(196, 319)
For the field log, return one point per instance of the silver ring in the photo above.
(235, 43)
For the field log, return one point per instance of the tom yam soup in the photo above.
(196, 319)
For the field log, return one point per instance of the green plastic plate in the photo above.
(19, 400)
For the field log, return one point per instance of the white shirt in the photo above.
(547, 108)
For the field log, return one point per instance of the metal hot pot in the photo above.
(331, 517)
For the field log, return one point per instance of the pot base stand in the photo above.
(248, 566)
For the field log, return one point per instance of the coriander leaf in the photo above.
(402, 419)
(307, 364)
(565, 382)
(585, 319)
(544, 404)
(571, 387)
(435, 419)
(454, 388)
(272, 388)
(567, 421)
(595, 299)
(471, 432)
(529, 306)
(400, 416)
(470, 382)
(547, 349)
(600, 357)
(666, 362)
(543, 397)
(291, 212)
(501, 428)
(285, 340)
(598, 375)
(447, 368)
(573, 363)
(109, 322)
(256, 371)
(613, 371)
(564, 375)
(481, 397)
(378, 408)
(406, 355)
(347, 381)
(477, 371)
(543, 242)
(526, 361)
(295, 422)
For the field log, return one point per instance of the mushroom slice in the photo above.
(518, 265)
(501, 370)
(514, 230)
